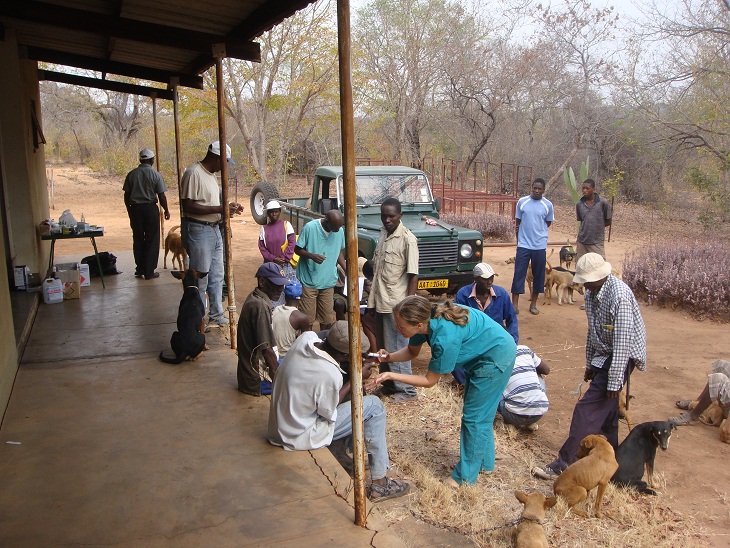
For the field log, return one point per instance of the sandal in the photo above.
(534, 310)
(685, 419)
(391, 490)
(683, 404)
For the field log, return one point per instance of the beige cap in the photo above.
(483, 270)
(339, 338)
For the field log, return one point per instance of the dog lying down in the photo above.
(595, 466)
(188, 342)
(637, 451)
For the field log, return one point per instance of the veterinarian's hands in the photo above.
(611, 395)
(589, 374)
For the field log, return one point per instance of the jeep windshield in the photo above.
(373, 189)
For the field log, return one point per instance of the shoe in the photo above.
(265, 388)
(683, 404)
(534, 311)
(685, 419)
(401, 397)
(532, 427)
(582, 307)
(138, 274)
(220, 322)
(544, 472)
(152, 276)
(381, 392)
(391, 490)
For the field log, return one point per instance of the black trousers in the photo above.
(145, 222)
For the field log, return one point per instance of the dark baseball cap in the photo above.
(273, 273)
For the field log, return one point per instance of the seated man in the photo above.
(717, 390)
(286, 320)
(491, 299)
(524, 400)
(307, 409)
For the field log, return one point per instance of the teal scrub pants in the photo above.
(482, 393)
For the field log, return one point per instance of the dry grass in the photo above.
(423, 442)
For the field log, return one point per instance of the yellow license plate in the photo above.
(433, 284)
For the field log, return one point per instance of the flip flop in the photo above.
(685, 419)
(683, 404)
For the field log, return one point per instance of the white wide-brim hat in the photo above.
(591, 267)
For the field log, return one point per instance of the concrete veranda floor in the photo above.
(102, 444)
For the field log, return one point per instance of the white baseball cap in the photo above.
(483, 270)
(273, 204)
(146, 154)
(215, 148)
(591, 267)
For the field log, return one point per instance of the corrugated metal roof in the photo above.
(149, 39)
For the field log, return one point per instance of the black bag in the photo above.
(108, 264)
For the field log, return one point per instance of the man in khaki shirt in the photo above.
(396, 277)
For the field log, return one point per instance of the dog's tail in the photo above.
(174, 229)
(174, 360)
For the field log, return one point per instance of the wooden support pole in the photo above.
(219, 52)
(353, 289)
(157, 163)
(178, 166)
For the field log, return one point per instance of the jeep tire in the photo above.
(260, 195)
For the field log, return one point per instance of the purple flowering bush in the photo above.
(493, 227)
(694, 277)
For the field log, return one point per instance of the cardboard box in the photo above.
(83, 268)
(21, 277)
(71, 283)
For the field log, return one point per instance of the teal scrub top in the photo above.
(482, 341)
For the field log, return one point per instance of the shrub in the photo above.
(690, 276)
(493, 227)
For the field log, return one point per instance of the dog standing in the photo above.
(188, 342)
(595, 467)
(563, 280)
(637, 451)
(173, 243)
(567, 255)
(529, 278)
(530, 532)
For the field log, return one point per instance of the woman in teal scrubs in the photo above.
(463, 337)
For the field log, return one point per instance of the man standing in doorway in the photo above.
(143, 187)
(395, 278)
(320, 248)
(533, 216)
(201, 235)
(594, 215)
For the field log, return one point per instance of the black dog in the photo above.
(567, 254)
(188, 342)
(638, 450)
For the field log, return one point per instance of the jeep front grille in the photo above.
(438, 254)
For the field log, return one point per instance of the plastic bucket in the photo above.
(52, 291)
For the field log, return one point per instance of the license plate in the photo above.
(433, 284)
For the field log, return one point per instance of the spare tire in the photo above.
(260, 195)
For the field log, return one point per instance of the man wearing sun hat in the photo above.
(143, 187)
(309, 408)
(256, 342)
(200, 228)
(616, 343)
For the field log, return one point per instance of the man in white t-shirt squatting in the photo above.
(524, 400)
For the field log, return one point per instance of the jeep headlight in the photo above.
(466, 251)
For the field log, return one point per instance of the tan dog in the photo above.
(529, 278)
(595, 467)
(530, 532)
(563, 280)
(713, 415)
(173, 243)
(725, 431)
(623, 412)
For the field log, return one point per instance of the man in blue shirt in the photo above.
(320, 247)
(533, 216)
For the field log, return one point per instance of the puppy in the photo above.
(530, 533)
(563, 280)
(173, 243)
(188, 342)
(549, 283)
(529, 278)
(595, 467)
(637, 451)
(725, 431)
(712, 416)
(567, 255)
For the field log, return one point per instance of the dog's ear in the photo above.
(588, 442)
(550, 502)
(522, 497)
(201, 275)
(177, 274)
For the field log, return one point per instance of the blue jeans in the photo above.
(373, 412)
(388, 336)
(205, 254)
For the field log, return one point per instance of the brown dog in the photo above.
(595, 466)
(563, 280)
(173, 243)
(725, 431)
(623, 412)
(530, 533)
(529, 278)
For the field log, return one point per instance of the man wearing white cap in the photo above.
(616, 343)
(201, 235)
(143, 187)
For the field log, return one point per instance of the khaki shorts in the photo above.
(318, 304)
(582, 249)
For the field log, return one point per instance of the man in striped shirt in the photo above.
(616, 343)
(524, 400)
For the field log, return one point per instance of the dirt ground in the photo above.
(680, 349)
